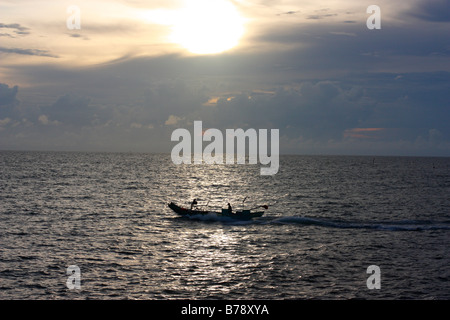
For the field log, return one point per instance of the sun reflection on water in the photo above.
(212, 260)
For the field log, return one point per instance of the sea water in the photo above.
(329, 219)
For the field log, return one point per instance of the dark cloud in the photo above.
(75, 110)
(77, 35)
(324, 43)
(358, 110)
(288, 13)
(16, 28)
(8, 102)
(6, 35)
(321, 16)
(8, 95)
(432, 10)
(29, 52)
(321, 110)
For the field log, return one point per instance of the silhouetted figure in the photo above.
(229, 208)
(194, 203)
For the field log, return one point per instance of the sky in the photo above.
(122, 75)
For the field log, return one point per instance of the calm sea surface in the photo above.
(329, 219)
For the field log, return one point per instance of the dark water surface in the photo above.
(329, 219)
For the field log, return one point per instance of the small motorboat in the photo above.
(242, 214)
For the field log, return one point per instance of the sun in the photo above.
(207, 26)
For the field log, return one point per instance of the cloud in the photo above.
(30, 52)
(342, 33)
(17, 29)
(74, 110)
(8, 95)
(77, 35)
(349, 115)
(432, 10)
(319, 110)
(321, 16)
(6, 35)
(334, 46)
(288, 13)
(172, 120)
(4, 122)
(362, 133)
(43, 119)
(9, 102)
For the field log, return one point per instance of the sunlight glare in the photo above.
(203, 26)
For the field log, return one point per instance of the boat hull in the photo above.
(242, 215)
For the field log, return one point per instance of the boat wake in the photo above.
(403, 225)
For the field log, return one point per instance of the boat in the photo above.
(240, 214)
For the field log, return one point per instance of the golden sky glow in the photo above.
(114, 29)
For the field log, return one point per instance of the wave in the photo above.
(404, 225)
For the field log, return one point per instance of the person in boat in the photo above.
(194, 203)
(229, 208)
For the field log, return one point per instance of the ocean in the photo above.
(329, 219)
